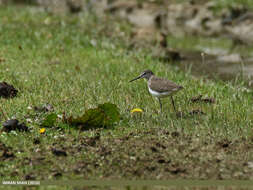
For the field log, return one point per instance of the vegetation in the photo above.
(74, 63)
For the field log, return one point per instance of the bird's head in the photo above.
(145, 74)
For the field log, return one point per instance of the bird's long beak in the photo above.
(136, 78)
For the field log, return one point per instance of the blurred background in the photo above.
(212, 38)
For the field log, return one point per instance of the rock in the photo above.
(62, 6)
(75, 6)
(10, 123)
(231, 58)
(59, 152)
(234, 14)
(175, 17)
(146, 16)
(242, 31)
(204, 22)
(213, 50)
(13, 125)
(250, 164)
(142, 18)
(98, 7)
(121, 8)
(54, 6)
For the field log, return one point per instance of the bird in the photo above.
(159, 87)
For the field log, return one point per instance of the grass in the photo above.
(71, 63)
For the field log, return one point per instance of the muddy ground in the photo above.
(153, 154)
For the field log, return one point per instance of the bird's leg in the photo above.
(160, 104)
(173, 103)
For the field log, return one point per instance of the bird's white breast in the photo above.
(158, 94)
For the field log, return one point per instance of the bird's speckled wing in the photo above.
(163, 85)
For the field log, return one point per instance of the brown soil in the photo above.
(154, 154)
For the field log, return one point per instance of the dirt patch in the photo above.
(173, 156)
(200, 99)
(59, 152)
(6, 152)
(197, 112)
(153, 154)
(36, 141)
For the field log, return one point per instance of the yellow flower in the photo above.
(42, 130)
(136, 110)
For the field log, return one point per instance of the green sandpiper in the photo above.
(159, 87)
